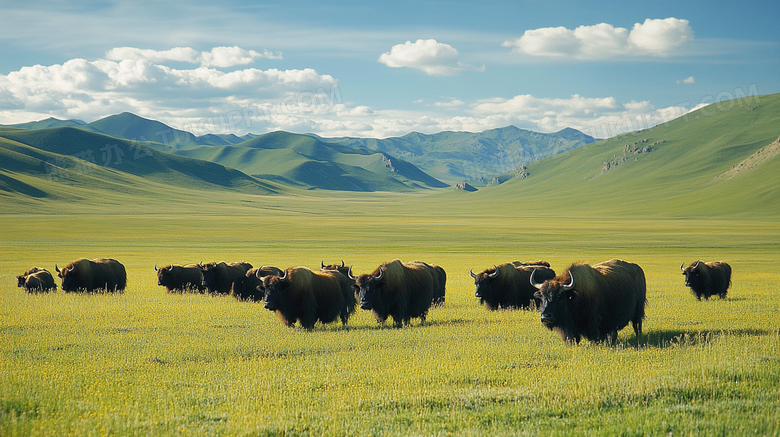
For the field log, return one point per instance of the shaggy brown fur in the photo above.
(508, 285)
(402, 291)
(36, 280)
(219, 277)
(604, 298)
(708, 279)
(177, 278)
(83, 275)
(306, 296)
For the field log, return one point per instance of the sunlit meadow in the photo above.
(146, 362)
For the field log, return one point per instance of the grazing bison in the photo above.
(36, 279)
(250, 286)
(93, 275)
(403, 291)
(508, 285)
(180, 278)
(595, 302)
(21, 279)
(439, 284)
(218, 278)
(300, 294)
(707, 279)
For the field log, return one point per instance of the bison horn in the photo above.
(257, 274)
(681, 267)
(170, 268)
(56, 269)
(696, 264)
(342, 263)
(471, 272)
(570, 285)
(381, 273)
(155, 267)
(534, 283)
(285, 275)
(349, 273)
(322, 264)
(495, 273)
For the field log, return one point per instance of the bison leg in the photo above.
(613, 337)
(637, 327)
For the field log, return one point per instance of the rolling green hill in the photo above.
(479, 158)
(719, 160)
(305, 161)
(672, 168)
(72, 165)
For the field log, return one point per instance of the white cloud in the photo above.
(218, 56)
(90, 90)
(205, 100)
(689, 80)
(430, 56)
(654, 37)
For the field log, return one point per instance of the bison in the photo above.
(403, 291)
(593, 301)
(177, 278)
(250, 286)
(218, 278)
(36, 279)
(21, 279)
(300, 294)
(508, 285)
(92, 275)
(707, 279)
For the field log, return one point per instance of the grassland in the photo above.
(148, 363)
(145, 362)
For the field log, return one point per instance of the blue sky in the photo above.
(379, 69)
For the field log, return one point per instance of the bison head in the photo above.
(485, 282)
(163, 275)
(370, 285)
(68, 276)
(21, 279)
(275, 288)
(554, 297)
(208, 272)
(694, 274)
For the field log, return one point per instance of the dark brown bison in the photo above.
(707, 279)
(83, 275)
(595, 302)
(250, 286)
(300, 294)
(35, 280)
(218, 278)
(440, 284)
(344, 270)
(402, 291)
(507, 286)
(176, 278)
(21, 279)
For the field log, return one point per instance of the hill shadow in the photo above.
(11, 185)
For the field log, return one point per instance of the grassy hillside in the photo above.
(307, 161)
(43, 167)
(670, 169)
(477, 157)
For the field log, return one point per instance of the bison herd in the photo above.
(591, 301)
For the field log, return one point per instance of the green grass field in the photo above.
(148, 363)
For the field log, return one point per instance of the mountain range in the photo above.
(394, 164)
(714, 159)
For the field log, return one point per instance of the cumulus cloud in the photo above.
(206, 99)
(221, 57)
(654, 37)
(689, 80)
(430, 56)
(88, 90)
